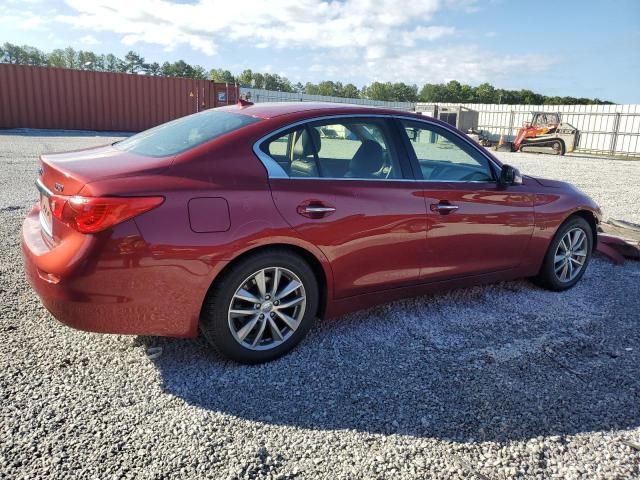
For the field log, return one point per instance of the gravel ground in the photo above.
(498, 382)
(613, 184)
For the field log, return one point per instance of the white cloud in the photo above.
(89, 40)
(281, 23)
(466, 64)
(359, 39)
(22, 19)
(431, 33)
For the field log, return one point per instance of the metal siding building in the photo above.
(44, 97)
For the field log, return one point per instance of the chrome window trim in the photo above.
(274, 170)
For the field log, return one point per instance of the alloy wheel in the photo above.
(570, 255)
(267, 308)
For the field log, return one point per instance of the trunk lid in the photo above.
(66, 173)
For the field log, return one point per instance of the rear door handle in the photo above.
(443, 208)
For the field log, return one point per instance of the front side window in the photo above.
(444, 157)
(184, 133)
(349, 149)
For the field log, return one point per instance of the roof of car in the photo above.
(275, 109)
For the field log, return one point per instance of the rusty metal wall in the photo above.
(44, 97)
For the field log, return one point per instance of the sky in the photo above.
(580, 48)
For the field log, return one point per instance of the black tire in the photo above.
(557, 147)
(214, 319)
(547, 277)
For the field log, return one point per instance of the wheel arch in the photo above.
(320, 269)
(591, 219)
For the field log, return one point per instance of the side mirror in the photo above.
(510, 176)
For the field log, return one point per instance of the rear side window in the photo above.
(184, 133)
(349, 148)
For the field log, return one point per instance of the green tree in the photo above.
(133, 62)
(453, 91)
(527, 97)
(112, 63)
(182, 69)
(273, 81)
(11, 53)
(257, 79)
(199, 72)
(220, 75)
(57, 58)
(245, 78)
(467, 94)
(350, 91)
(71, 58)
(401, 92)
(378, 91)
(432, 92)
(153, 69)
(311, 89)
(90, 61)
(392, 92)
(485, 93)
(33, 56)
(330, 89)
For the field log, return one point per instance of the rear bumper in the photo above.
(112, 284)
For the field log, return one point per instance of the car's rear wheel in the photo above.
(261, 308)
(568, 255)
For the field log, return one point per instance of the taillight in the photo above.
(94, 214)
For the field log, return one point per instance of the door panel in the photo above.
(375, 237)
(474, 225)
(489, 231)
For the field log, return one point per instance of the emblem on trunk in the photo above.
(59, 187)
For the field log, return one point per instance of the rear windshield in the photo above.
(184, 133)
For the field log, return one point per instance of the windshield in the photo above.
(184, 133)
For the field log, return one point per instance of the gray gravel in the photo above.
(614, 184)
(497, 382)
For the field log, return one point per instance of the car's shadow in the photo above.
(497, 363)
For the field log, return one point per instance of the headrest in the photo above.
(304, 144)
(369, 159)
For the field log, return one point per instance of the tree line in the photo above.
(452, 91)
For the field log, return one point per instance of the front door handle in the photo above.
(443, 208)
(315, 210)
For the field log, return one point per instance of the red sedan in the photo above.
(248, 221)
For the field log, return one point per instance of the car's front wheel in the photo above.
(261, 308)
(568, 255)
